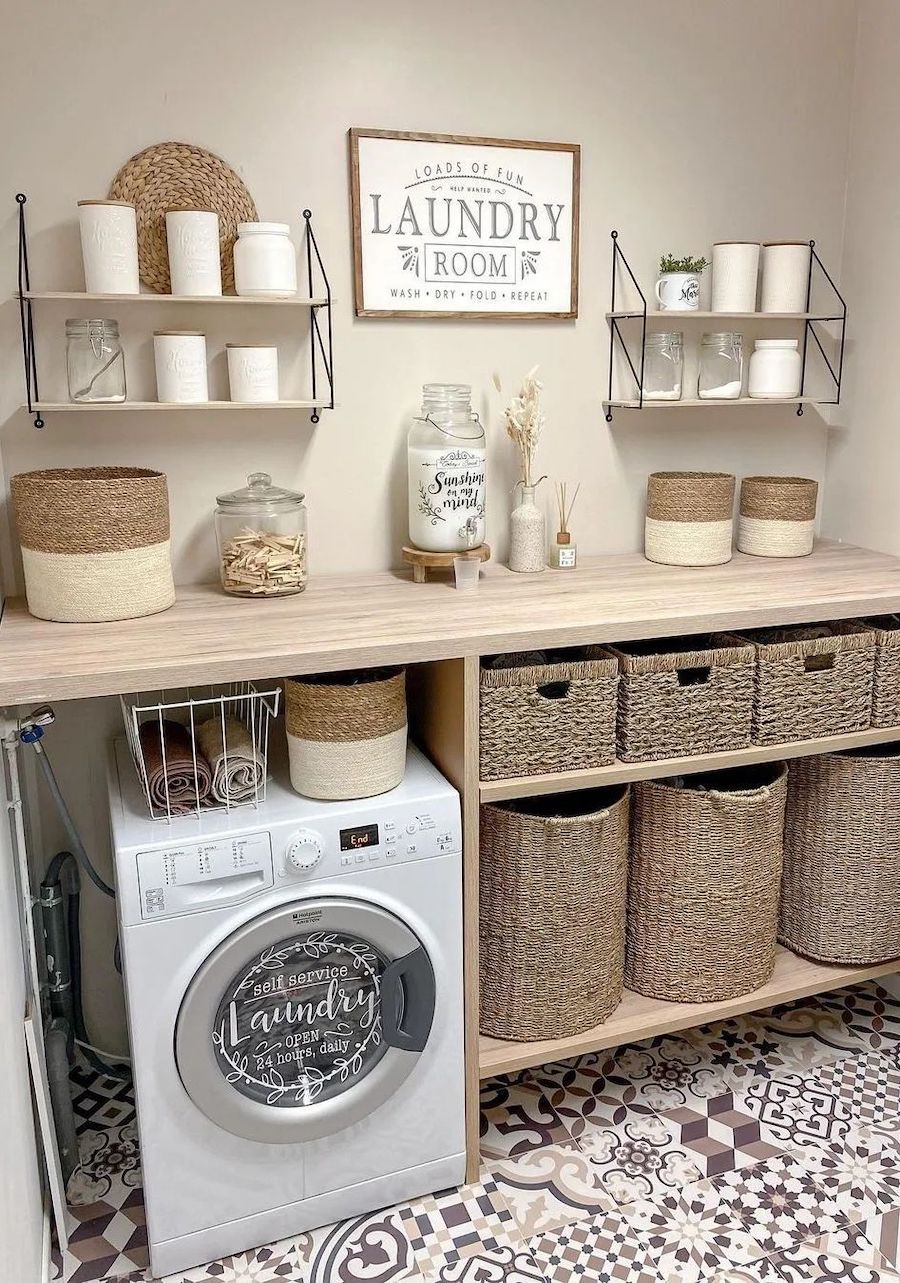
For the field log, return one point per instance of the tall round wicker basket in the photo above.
(95, 542)
(840, 892)
(689, 518)
(552, 937)
(346, 732)
(777, 516)
(703, 883)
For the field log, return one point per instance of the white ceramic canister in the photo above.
(776, 369)
(180, 366)
(252, 372)
(109, 246)
(735, 268)
(265, 261)
(785, 276)
(195, 261)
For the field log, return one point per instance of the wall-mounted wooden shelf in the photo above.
(673, 319)
(662, 768)
(90, 407)
(74, 296)
(695, 402)
(637, 1017)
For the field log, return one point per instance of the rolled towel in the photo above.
(181, 781)
(238, 769)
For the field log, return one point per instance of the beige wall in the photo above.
(701, 120)
(864, 458)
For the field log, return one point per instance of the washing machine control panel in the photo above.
(303, 851)
(204, 875)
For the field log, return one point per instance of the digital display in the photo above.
(357, 839)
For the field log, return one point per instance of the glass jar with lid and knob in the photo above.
(262, 539)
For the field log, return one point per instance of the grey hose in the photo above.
(75, 842)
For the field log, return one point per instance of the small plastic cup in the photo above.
(466, 571)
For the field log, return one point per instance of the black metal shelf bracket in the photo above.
(615, 332)
(321, 344)
(809, 330)
(318, 346)
(26, 317)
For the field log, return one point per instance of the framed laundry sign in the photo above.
(445, 225)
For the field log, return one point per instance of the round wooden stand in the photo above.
(422, 562)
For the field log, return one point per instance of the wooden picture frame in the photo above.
(508, 245)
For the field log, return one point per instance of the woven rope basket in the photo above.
(812, 681)
(684, 695)
(554, 716)
(95, 542)
(703, 884)
(689, 519)
(178, 176)
(840, 892)
(886, 691)
(777, 516)
(346, 732)
(552, 934)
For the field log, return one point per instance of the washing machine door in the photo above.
(305, 1020)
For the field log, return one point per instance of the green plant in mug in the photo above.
(669, 263)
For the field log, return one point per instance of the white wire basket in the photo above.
(204, 748)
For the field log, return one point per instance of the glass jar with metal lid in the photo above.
(95, 362)
(663, 366)
(261, 534)
(721, 367)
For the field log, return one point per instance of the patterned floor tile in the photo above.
(779, 1202)
(720, 1136)
(884, 1233)
(374, 1247)
(500, 1265)
(99, 1100)
(806, 1265)
(748, 1047)
(606, 1249)
(445, 1228)
(639, 1158)
(869, 1013)
(868, 1085)
(849, 1243)
(860, 1171)
(691, 1234)
(761, 1271)
(516, 1117)
(551, 1187)
(795, 1110)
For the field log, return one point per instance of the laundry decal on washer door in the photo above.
(301, 1022)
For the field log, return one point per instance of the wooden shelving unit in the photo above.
(625, 772)
(111, 407)
(637, 1017)
(671, 319)
(81, 296)
(689, 402)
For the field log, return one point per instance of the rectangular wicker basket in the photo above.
(680, 696)
(812, 680)
(548, 712)
(886, 693)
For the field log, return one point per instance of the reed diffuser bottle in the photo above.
(563, 552)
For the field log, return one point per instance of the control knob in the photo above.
(304, 850)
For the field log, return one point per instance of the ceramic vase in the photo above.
(527, 534)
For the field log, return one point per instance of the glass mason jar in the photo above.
(721, 367)
(663, 366)
(446, 459)
(261, 533)
(95, 362)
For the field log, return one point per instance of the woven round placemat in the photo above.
(178, 176)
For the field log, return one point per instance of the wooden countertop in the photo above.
(344, 621)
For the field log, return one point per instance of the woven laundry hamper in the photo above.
(541, 713)
(95, 542)
(346, 732)
(777, 516)
(840, 891)
(886, 689)
(703, 883)
(552, 934)
(689, 518)
(812, 681)
(680, 696)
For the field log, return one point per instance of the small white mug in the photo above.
(678, 292)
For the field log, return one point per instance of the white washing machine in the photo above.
(293, 978)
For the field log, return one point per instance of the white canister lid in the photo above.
(278, 229)
(266, 347)
(777, 343)
(127, 204)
